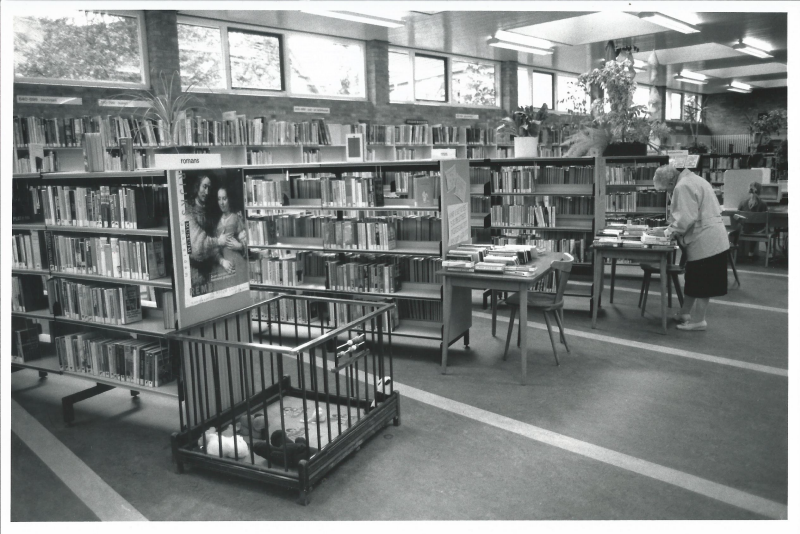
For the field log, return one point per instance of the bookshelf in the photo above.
(37, 228)
(328, 265)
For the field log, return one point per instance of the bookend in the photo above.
(285, 389)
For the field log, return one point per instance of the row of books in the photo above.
(347, 191)
(130, 206)
(270, 229)
(630, 202)
(651, 221)
(401, 154)
(351, 191)
(362, 276)
(726, 162)
(340, 313)
(563, 205)
(30, 163)
(57, 132)
(95, 158)
(524, 179)
(420, 310)
(712, 176)
(28, 251)
(134, 361)
(630, 174)
(107, 256)
(477, 152)
(27, 293)
(536, 215)
(277, 270)
(259, 157)
(574, 246)
(25, 345)
(372, 233)
(419, 228)
(98, 303)
(311, 155)
(423, 188)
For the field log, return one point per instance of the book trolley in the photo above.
(285, 389)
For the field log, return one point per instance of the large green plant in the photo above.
(525, 122)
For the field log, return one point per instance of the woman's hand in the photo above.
(233, 244)
(227, 265)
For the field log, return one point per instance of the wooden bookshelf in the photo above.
(40, 272)
(28, 227)
(158, 231)
(164, 282)
(408, 290)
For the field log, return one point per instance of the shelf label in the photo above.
(188, 161)
(306, 109)
(443, 153)
(123, 103)
(470, 117)
(416, 122)
(56, 100)
(677, 158)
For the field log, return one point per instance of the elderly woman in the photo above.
(695, 219)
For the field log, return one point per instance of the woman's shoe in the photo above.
(702, 325)
(682, 317)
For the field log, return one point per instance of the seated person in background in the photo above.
(752, 203)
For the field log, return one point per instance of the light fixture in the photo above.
(668, 22)
(688, 76)
(522, 48)
(750, 49)
(525, 40)
(359, 17)
(739, 87)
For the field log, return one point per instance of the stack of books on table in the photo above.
(525, 271)
(459, 266)
(654, 241)
(610, 236)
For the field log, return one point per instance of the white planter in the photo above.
(526, 147)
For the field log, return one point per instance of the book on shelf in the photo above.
(25, 346)
(371, 233)
(28, 251)
(267, 189)
(424, 191)
(489, 268)
(105, 304)
(362, 276)
(27, 293)
(132, 207)
(352, 191)
(111, 257)
(167, 305)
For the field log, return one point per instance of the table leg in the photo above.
(597, 285)
(523, 329)
(494, 312)
(663, 275)
(447, 307)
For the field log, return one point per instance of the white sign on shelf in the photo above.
(466, 116)
(443, 153)
(188, 161)
(56, 100)
(691, 161)
(123, 103)
(458, 224)
(307, 109)
(677, 158)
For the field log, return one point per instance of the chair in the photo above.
(673, 271)
(733, 240)
(756, 228)
(546, 303)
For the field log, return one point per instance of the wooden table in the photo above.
(658, 255)
(458, 287)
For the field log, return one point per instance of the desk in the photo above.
(643, 255)
(458, 285)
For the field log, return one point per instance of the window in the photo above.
(473, 83)
(321, 66)
(200, 57)
(430, 78)
(542, 89)
(83, 48)
(677, 104)
(400, 76)
(691, 107)
(674, 106)
(571, 96)
(219, 56)
(255, 60)
(524, 87)
(641, 97)
(449, 80)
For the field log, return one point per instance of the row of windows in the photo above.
(216, 56)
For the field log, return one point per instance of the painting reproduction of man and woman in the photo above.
(214, 235)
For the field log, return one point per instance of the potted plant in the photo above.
(694, 112)
(615, 126)
(765, 125)
(524, 124)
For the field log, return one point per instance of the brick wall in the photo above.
(726, 111)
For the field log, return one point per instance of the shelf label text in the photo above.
(56, 100)
(306, 109)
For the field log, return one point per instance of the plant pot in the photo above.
(526, 147)
(626, 149)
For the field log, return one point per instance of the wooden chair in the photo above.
(546, 303)
(756, 228)
(673, 271)
(734, 230)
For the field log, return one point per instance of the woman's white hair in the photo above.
(665, 176)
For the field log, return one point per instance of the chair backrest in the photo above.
(562, 269)
(754, 222)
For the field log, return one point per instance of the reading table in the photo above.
(458, 287)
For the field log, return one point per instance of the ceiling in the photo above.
(580, 38)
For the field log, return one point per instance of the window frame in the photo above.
(285, 37)
(529, 73)
(557, 97)
(683, 105)
(448, 60)
(145, 64)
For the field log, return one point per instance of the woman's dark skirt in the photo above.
(707, 277)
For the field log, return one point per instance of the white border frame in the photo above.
(347, 139)
(145, 63)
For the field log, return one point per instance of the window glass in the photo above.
(400, 76)
(82, 46)
(542, 89)
(571, 96)
(523, 87)
(430, 78)
(641, 97)
(474, 83)
(255, 60)
(691, 104)
(674, 106)
(325, 67)
(200, 50)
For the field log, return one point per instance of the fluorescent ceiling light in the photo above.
(522, 48)
(735, 90)
(753, 51)
(693, 75)
(680, 78)
(757, 43)
(385, 21)
(525, 40)
(740, 85)
(668, 22)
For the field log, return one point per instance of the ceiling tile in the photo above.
(769, 83)
(593, 28)
(687, 54)
(747, 70)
